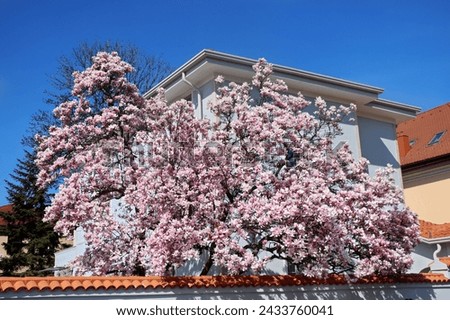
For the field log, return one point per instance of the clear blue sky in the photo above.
(402, 46)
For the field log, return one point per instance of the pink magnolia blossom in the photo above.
(262, 183)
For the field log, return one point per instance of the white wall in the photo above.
(423, 256)
(379, 145)
(64, 257)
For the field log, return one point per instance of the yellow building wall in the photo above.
(429, 195)
(3, 239)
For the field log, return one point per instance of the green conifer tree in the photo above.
(31, 242)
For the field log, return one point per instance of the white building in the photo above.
(372, 135)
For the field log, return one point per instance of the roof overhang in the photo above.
(399, 111)
(434, 240)
(208, 64)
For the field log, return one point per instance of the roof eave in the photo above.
(434, 240)
(397, 105)
(410, 166)
(283, 70)
(395, 110)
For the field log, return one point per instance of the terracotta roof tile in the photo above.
(431, 230)
(445, 260)
(152, 282)
(421, 130)
(6, 209)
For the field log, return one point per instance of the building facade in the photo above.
(424, 144)
(3, 238)
(372, 135)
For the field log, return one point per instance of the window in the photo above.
(437, 137)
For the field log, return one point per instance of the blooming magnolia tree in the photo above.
(262, 183)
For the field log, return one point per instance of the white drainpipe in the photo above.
(199, 96)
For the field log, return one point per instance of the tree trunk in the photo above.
(209, 262)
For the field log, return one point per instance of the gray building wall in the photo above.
(379, 145)
(423, 255)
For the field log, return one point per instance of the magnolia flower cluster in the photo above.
(262, 183)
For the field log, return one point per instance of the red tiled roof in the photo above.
(431, 230)
(422, 129)
(6, 209)
(445, 260)
(153, 282)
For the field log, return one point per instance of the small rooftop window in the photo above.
(437, 137)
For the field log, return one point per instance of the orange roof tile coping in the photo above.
(431, 230)
(153, 282)
(421, 130)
